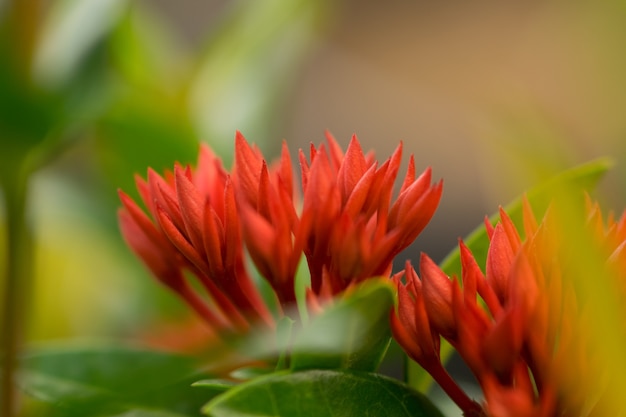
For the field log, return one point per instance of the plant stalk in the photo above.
(18, 277)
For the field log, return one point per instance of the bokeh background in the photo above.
(494, 96)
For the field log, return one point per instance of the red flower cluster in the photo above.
(199, 220)
(528, 348)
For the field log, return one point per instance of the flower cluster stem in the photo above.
(469, 407)
(17, 283)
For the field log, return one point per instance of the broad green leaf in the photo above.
(321, 393)
(582, 177)
(353, 333)
(112, 380)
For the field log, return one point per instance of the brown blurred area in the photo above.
(495, 96)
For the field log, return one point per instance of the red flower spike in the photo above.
(248, 165)
(510, 230)
(474, 281)
(387, 174)
(355, 201)
(488, 228)
(165, 199)
(349, 228)
(179, 241)
(524, 287)
(191, 203)
(410, 324)
(409, 178)
(213, 236)
(505, 401)
(351, 170)
(503, 344)
(271, 229)
(334, 150)
(352, 195)
(196, 228)
(499, 259)
(437, 293)
(156, 254)
(528, 218)
(534, 354)
(414, 208)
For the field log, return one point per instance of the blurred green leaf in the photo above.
(103, 380)
(147, 55)
(582, 177)
(352, 333)
(141, 132)
(248, 64)
(27, 115)
(70, 32)
(321, 393)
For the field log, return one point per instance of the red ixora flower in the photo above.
(194, 226)
(526, 343)
(349, 229)
(351, 226)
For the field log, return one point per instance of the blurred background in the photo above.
(494, 96)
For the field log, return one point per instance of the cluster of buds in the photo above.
(201, 221)
(522, 328)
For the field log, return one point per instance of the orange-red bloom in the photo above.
(349, 228)
(352, 228)
(195, 226)
(528, 342)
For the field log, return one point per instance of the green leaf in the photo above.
(353, 333)
(71, 31)
(140, 132)
(321, 393)
(248, 65)
(582, 177)
(111, 380)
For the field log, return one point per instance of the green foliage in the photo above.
(108, 380)
(321, 393)
(575, 180)
(353, 333)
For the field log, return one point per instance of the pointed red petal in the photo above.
(437, 290)
(191, 204)
(181, 243)
(157, 260)
(165, 197)
(213, 239)
(511, 230)
(248, 165)
(503, 344)
(409, 178)
(352, 168)
(336, 154)
(499, 260)
(360, 193)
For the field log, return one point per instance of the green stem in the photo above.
(19, 257)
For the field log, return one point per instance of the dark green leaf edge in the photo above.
(321, 393)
